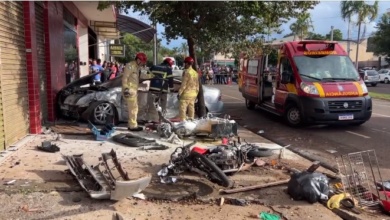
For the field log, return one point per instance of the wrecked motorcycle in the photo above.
(187, 159)
(232, 157)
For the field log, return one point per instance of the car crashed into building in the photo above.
(83, 100)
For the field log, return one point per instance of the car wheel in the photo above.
(293, 115)
(249, 105)
(373, 84)
(102, 112)
(386, 81)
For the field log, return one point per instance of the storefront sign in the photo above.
(324, 52)
(117, 50)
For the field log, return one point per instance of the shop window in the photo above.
(70, 47)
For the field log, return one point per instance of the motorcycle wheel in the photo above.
(260, 152)
(214, 172)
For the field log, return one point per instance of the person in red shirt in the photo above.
(114, 70)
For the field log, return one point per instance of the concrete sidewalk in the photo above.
(36, 171)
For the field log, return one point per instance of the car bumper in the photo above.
(334, 110)
(71, 111)
(216, 107)
(371, 81)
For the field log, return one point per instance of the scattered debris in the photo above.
(102, 134)
(358, 171)
(173, 139)
(260, 162)
(164, 175)
(139, 196)
(268, 216)
(12, 182)
(222, 201)
(117, 216)
(133, 140)
(154, 147)
(239, 202)
(248, 188)
(47, 146)
(100, 182)
(27, 209)
(331, 151)
(305, 185)
(71, 129)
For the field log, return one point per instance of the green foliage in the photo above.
(213, 25)
(288, 35)
(302, 26)
(273, 58)
(381, 39)
(337, 35)
(314, 36)
(363, 11)
(134, 45)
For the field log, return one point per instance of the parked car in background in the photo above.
(81, 100)
(384, 76)
(370, 77)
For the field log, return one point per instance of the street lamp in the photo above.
(331, 33)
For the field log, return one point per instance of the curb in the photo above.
(15, 147)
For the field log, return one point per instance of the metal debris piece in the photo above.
(163, 174)
(107, 180)
(260, 186)
(359, 171)
(12, 182)
(154, 147)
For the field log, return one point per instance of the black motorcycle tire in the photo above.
(260, 152)
(132, 141)
(219, 176)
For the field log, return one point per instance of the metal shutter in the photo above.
(13, 72)
(41, 59)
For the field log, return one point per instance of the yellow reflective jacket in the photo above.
(130, 78)
(190, 84)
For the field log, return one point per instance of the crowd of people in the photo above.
(109, 70)
(217, 75)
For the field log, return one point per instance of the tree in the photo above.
(381, 39)
(337, 35)
(302, 26)
(215, 23)
(363, 11)
(314, 36)
(288, 35)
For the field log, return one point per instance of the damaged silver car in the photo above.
(82, 100)
(107, 180)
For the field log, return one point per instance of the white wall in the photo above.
(83, 50)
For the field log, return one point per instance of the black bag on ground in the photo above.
(311, 187)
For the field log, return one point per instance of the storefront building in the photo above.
(44, 46)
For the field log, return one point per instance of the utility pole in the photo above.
(349, 37)
(331, 33)
(154, 44)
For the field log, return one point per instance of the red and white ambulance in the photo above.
(315, 83)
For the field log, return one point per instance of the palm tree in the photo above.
(302, 26)
(184, 48)
(363, 11)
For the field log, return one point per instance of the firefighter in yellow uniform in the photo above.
(188, 90)
(130, 83)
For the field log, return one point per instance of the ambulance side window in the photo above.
(286, 66)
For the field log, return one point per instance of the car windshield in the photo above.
(326, 68)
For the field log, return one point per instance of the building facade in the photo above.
(44, 46)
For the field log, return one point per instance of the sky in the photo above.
(324, 15)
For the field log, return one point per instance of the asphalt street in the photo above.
(380, 88)
(318, 140)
